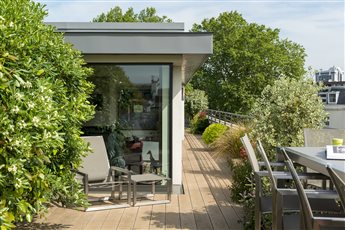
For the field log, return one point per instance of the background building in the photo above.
(333, 96)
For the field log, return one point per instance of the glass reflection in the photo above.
(132, 113)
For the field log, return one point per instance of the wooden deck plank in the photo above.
(97, 220)
(113, 219)
(143, 218)
(172, 214)
(222, 178)
(158, 217)
(200, 213)
(185, 206)
(215, 214)
(128, 218)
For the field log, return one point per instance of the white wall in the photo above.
(177, 128)
(336, 116)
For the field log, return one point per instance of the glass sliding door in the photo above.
(133, 114)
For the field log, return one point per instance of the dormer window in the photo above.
(333, 97)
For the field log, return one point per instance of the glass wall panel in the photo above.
(133, 115)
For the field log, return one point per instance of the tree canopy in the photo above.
(116, 15)
(246, 58)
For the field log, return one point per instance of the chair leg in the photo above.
(257, 215)
(134, 193)
(153, 188)
(169, 188)
(129, 195)
(120, 192)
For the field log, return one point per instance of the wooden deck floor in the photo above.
(206, 203)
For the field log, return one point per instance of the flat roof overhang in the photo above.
(140, 39)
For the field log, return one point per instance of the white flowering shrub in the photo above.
(284, 109)
(43, 96)
(195, 101)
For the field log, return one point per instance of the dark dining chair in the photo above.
(263, 202)
(285, 200)
(339, 184)
(308, 219)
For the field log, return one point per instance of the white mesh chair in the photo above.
(98, 175)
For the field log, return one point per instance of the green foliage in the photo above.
(212, 132)
(241, 177)
(199, 123)
(229, 144)
(284, 109)
(246, 58)
(146, 15)
(43, 96)
(195, 101)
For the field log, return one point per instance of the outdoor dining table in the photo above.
(315, 159)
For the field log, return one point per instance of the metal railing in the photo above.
(226, 118)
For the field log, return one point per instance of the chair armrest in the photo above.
(273, 164)
(330, 221)
(85, 180)
(80, 173)
(122, 170)
(311, 193)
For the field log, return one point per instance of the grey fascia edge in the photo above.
(141, 43)
(115, 27)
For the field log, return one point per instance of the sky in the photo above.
(317, 25)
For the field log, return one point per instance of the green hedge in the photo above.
(212, 132)
(43, 94)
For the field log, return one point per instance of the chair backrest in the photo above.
(303, 199)
(96, 163)
(267, 165)
(250, 152)
(338, 183)
(321, 137)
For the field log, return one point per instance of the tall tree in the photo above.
(146, 15)
(246, 57)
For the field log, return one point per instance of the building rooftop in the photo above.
(98, 38)
(117, 27)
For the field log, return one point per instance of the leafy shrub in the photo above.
(195, 101)
(199, 123)
(212, 132)
(229, 144)
(284, 109)
(241, 176)
(43, 95)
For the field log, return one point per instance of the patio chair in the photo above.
(263, 202)
(285, 200)
(339, 184)
(99, 175)
(309, 220)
